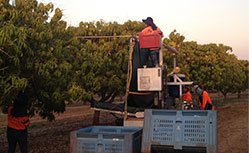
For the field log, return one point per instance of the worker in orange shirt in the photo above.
(17, 124)
(150, 29)
(204, 100)
(187, 97)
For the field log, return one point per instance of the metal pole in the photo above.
(170, 49)
(103, 37)
(161, 53)
(160, 93)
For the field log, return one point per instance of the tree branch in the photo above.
(3, 68)
(4, 52)
(113, 97)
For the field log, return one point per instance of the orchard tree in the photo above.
(101, 64)
(231, 75)
(175, 40)
(244, 66)
(211, 65)
(35, 56)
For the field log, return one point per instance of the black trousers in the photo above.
(17, 136)
(154, 55)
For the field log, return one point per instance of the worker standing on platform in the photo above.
(151, 29)
(204, 99)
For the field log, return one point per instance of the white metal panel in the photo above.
(149, 79)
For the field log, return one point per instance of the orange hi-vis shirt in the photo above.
(205, 99)
(187, 97)
(149, 30)
(18, 123)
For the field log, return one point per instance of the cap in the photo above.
(148, 21)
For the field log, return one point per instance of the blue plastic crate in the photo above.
(106, 139)
(180, 129)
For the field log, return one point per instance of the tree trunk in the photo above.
(224, 94)
(239, 92)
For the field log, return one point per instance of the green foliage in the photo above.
(211, 65)
(101, 64)
(33, 56)
(244, 66)
(46, 59)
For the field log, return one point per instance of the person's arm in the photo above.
(26, 121)
(209, 101)
(9, 111)
(158, 30)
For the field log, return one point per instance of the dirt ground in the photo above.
(53, 137)
(233, 128)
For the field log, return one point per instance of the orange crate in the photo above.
(149, 40)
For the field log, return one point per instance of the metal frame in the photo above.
(180, 83)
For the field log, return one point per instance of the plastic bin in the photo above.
(180, 129)
(106, 139)
(149, 40)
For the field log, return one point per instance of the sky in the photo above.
(204, 21)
